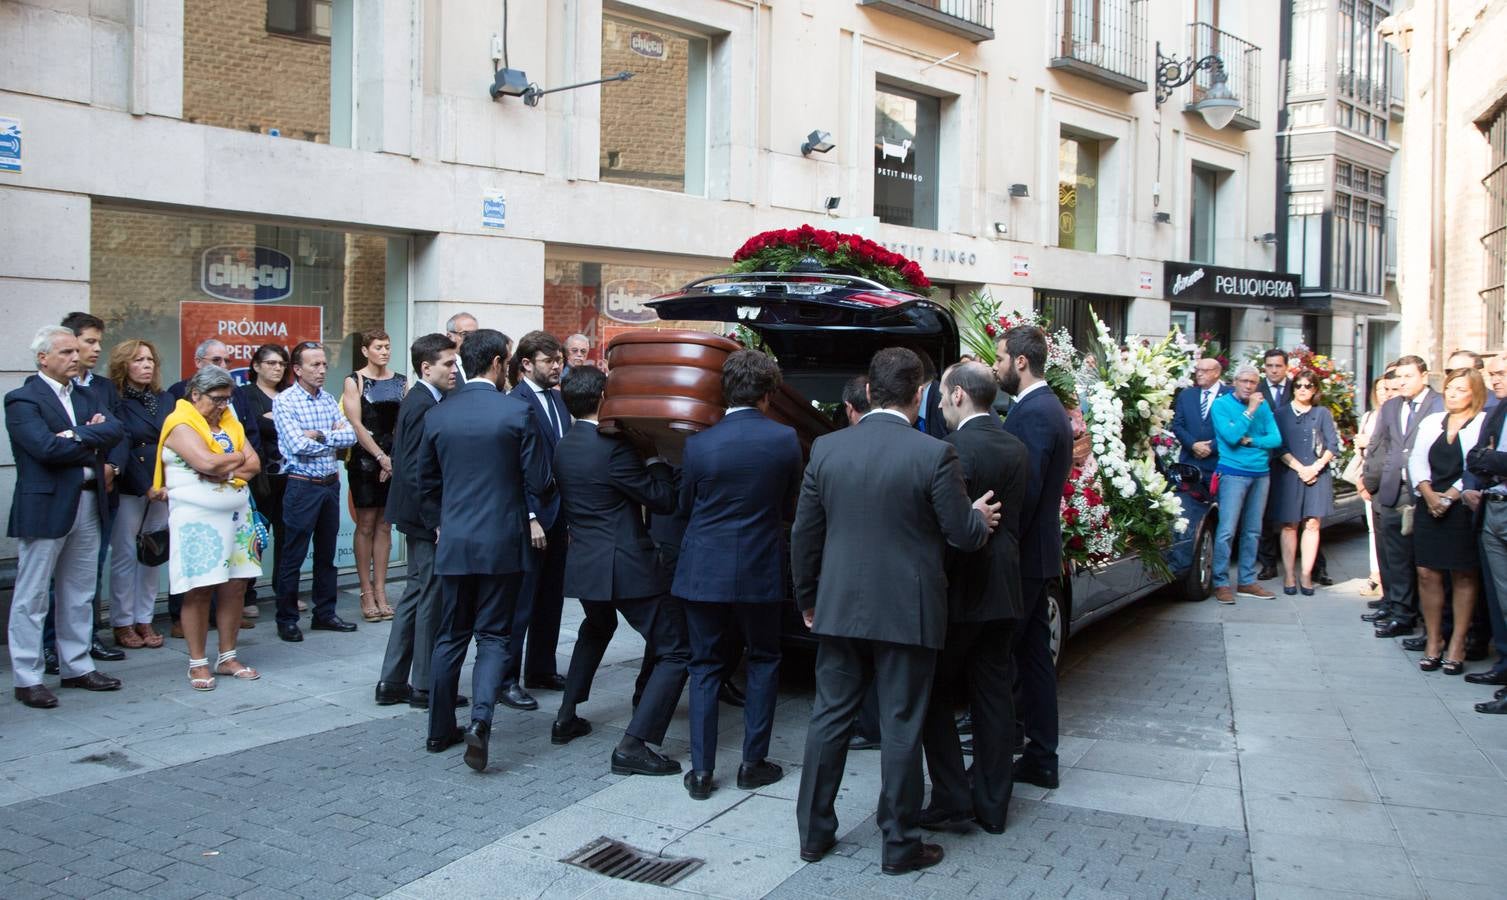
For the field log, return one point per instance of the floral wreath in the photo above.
(783, 249)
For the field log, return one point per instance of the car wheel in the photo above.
(1199, 582)
(1057, 619)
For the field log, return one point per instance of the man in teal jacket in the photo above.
(1246, 432)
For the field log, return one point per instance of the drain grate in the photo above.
(616, 859)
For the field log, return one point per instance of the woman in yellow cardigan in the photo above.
(204, 462)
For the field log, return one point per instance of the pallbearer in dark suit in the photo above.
(538, 361)
(410, 643)
(1039, 420)
(738, 483)
(879, 505)
(983, 610)
(479, 458)
(613, 569)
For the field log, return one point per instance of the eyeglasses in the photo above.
(214, 360)
(221, 400)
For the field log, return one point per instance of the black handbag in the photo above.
(151, 546)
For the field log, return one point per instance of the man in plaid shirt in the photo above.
(311, 431)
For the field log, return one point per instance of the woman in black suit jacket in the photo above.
(135, 369)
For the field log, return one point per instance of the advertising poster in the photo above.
(243, 327)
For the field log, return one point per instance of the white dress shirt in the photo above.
(64, 393)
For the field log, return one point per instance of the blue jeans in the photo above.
(311, 512)
(1242, 504)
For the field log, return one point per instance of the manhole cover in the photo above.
(616, 859)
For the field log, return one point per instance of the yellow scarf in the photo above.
(185, 414)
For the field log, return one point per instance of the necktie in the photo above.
(549, 410)
(1277, 394)
(1205, 405)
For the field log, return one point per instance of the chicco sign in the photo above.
(646, 43)
(246, 274)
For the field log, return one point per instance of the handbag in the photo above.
(1407, 519)
(1354, 469)
(261, 533)
(151, 546)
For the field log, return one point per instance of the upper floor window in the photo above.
(653, 131)
(300, 18)
(906, 126)
(1077, 192)
(1494, 284)
(1203, 214)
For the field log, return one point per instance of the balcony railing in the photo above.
(1104, 40)
(972, 19)
(1242, 66)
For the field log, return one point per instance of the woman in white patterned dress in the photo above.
(204, 462)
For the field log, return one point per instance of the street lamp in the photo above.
(1219, 103)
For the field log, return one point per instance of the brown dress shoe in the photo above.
(1224, 595)
(37, 696)
(1254, 590)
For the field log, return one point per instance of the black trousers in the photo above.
(480, 607)
(663, 624)
(845, 667)
(1394, 555)
(540, 602)
(981, 651)
(711, 625)
(1036, 677)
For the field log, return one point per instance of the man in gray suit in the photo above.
(879, 505)
(1385, 478)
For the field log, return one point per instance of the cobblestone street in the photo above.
(1271, 749)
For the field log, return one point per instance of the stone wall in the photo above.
(644, 120)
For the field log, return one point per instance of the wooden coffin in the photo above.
(663, 386)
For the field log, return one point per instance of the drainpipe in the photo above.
(1437, 177)
(136, 91)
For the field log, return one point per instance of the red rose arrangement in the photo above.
(783, 249)
(1088, 535)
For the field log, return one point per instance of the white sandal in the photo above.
(245, 673)
(200, 684)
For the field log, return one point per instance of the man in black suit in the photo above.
(537, 363)
(480, 459)
(1386, 479)
(61, 438)
(612, 568)
(1041, 422)
(983, 609)
(929, 418)
(879, 505)
(1488, 462)
(410, 643)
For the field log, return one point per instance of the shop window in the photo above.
(654, 126)
(265, 68)
(300, 18)
(604, 299)
(1077, 193)
(906, 126)
(1203, 214)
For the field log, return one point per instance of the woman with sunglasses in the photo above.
(1302, 487)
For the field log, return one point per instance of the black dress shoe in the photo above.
(1420, 642)
(1375, 604)
(730, 695)
(547, 683)
(332, 623)
(1490, 676)
(1376, 615)
(815, 854)
(964, 723)
(860, 742)
(1266, 574)
(756, 775)
(50, 660)
(390, 693)
(989, 827)
(291, 633)
(1499, 693)
(97, 650)
(1322, 579)
(642, 761)
(477, 737)
(1394, 628)
(928, 856)
(37, 697)
(565, 732)
(1030, 773)
(698, 785)
(1495, 707)
(516, 697)
(440, 745)
(93, 681)
(943, 820)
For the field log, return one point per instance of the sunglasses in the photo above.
(1302, 385)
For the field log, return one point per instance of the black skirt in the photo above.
(1447, 543)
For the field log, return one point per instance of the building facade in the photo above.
(281, 170)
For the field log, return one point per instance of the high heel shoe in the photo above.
(369, 609)
(1290, 589)
(1454, 666)
(1429, 663)
(1306, 591)
(380, 595)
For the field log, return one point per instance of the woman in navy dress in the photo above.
(1302, 487)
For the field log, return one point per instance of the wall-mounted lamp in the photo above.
(830, 204)
(818, 141)
(1269, 238)
(1218, 105)
(1163, 218)
(1000, 228)
(1019, 190)
(514, 83)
